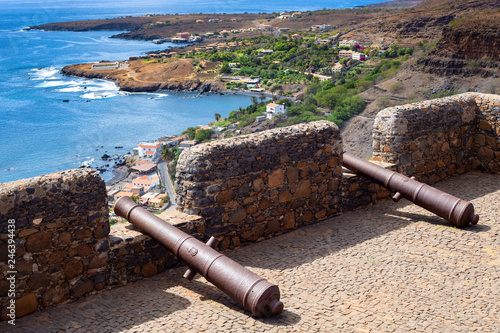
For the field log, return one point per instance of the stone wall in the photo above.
(64, 247)
(487, 134)
(358, 191)
(259, 185)
(61, 222)
(436, 139)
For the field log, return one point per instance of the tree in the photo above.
(217, 116)
(167, 154)
(225, 69)
(254, 100)
(262, 97)
(203, 135)
(136, 199)
(191, 132)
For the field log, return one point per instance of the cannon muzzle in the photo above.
(459, 212)
(247, 288)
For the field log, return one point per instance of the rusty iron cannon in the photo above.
(457, 211)
(247, 288)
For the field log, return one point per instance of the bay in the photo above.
(40, 133)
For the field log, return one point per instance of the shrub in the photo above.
(396, 87)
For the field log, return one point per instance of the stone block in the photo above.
(285, 196)
(81, 287)
(64, 238)
(308, 216)
(56, 295)
(27, 232)
(292, 175)
(480, 139)
(265, 203)
(149, 270)
(484, 125)
(225, 196)
(303, 189)
(72, 269)
(258, 184)
(276, 178)
(485, 153)
(289, 220)
(98, 261)
(236, 241)
(38, 280)
(102, 230)
(38, 242)
(273, 226)
(238, 216)
(26, 304)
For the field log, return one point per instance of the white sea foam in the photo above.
(87, 163)
(47, 73)
(98, 95)
(49, 84)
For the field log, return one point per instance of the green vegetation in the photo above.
(291, 67)
(191, 132)
(167, 153)
(203, 135)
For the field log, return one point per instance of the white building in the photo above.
(337, 68)
(273, 109)
(358, 56)
(149, 151)
(348, 43)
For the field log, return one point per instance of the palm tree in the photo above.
(167, 154)
(136, 199)
(217, 116)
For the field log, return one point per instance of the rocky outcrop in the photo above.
(468, 47)
(132, 85)
(442, 66)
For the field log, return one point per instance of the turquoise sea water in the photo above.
(39, 133)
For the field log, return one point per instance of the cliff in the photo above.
(469, 46)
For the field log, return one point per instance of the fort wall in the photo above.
(240, 190)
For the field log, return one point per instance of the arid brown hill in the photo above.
(469, 46)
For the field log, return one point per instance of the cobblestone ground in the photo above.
(392, 267)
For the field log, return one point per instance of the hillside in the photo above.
(454, 48)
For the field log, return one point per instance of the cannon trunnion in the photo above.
(247, 288)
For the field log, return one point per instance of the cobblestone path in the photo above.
(392, 267)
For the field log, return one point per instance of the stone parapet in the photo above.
(257, 186)
(133, 255)
(61, 222)
(439, 138)
(65, 248)
(358, 191)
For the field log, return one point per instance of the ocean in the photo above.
(41, 133)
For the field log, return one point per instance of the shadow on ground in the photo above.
(341, 232)
(106, 312)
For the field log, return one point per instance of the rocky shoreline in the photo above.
(141, 86)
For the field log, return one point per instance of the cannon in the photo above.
(254, 293)
(457, 211)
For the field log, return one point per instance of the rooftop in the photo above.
(391, 267)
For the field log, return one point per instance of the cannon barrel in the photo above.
(457, 211)
(247, 288)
